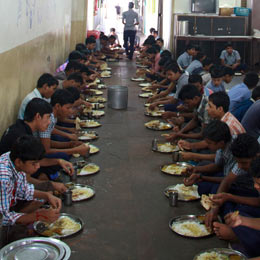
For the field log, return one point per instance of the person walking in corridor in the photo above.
(130, 20)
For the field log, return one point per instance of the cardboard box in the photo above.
(226, 11)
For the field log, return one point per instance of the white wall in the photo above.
(27, 20)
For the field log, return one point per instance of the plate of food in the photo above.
(98, 113)
(88, 169)
(88, 135)
(175, 168)
(185, 193)
(141, 66)
(146, 89)
(220, 254)
(154, 113)
(97, 105)
(103, 66)
(145, 85)
(112, 59)
(81, 192)
(238, 74)
(93, 148)
(96, 100)
(158, 125)
(66, 225)
(89, 123)
(166, 148)
(146, 95)
(137, 79)
(96, 92)
(191, 226)
(105, 74)
(148, 104)
(101, 86)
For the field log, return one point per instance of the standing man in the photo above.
(130, 20)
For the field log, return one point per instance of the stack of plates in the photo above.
(36, 248)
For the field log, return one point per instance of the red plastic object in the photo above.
(94, 33)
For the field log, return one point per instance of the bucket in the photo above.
(183, 28)
(117, 97)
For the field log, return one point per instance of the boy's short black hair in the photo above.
(48, 79)
(189, 92)
(166, 53)
(76, 76)
(255, 168)
(112, 37)
(27, 148)
(251, 79)
(217, 131)
(195, 79)
(244, 146)
(151, 50)
(256, 93)
(216, 72)
(112, 29)
(164, 60)
(80, 47)
(62, 97)
(229, 44)
(104, 38)
(74, 92)
(228, 71)
(220, 99)
(155, 32)
(152, 30)
(199, 56)
(131, 5)
(206, 62)
(160, 40)
(75, 55)
(73, 65)
(174, 68)
(36, 106)
(189, 47)
(90, 40)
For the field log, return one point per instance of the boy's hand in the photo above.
(220, 198)
(150, 100)
(194, 178)
(73, 137)
(211, 216)
(172, 137)
(168, 114)
(60, 187)
(186, 156)
(234, 220)
(185, 145)
(82, 149)
(48, 215)
(54, 201)
(75, 143)
(153, 106)
(67, 166)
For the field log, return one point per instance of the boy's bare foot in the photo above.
(224, 232)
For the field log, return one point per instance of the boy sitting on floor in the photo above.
(231, 58)
(23, 159)
(185, 59)
(194, 100)
(217, 109)
(36, 119)
(196, 63)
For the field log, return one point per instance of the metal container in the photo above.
(175, 156)
(183, 28)
(154, 144)
(118, 97)
(67, 195)
(173, 198)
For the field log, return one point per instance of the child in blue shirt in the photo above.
(216, 84)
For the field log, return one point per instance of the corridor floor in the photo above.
(128, 218)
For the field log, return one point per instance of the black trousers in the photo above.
(129, 35)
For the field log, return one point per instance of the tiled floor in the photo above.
(128, 218)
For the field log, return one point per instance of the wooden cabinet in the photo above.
(215, 25)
